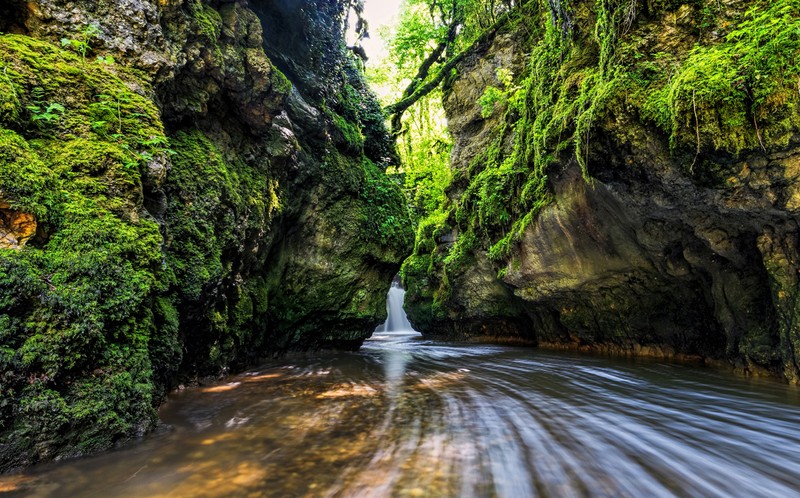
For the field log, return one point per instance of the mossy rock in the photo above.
(76, 368)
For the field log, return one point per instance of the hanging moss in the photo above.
(718, 80)
(586, 61)
(736, 95)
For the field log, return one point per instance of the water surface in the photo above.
(410, 417)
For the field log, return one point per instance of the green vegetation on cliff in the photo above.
(213, 207)
(717, 80)
(732, 94)
(188, 221)
(75, 314)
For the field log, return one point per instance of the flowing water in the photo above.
(396, 321)
(412, 417)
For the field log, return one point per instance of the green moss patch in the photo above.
(74, 140)
(217, 207)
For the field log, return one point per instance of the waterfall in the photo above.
(397, 321)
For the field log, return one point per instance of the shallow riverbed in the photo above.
(410, 417)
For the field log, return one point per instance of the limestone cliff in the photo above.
(634, 189)
(184, 196)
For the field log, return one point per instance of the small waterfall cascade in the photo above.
(397, 321)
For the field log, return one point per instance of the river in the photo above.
(412, 417)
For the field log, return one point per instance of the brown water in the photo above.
(408, 417)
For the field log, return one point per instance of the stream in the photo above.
(407, 416)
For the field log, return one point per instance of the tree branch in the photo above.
(416, 90)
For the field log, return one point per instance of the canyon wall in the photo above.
(185, 187)
(626, 180)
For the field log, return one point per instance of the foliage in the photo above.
(82, 45)
(384, 214)
(425, 154)
(49, 114)
(439, 32)
(423, 149)
(423, 144)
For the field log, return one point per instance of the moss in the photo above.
(42, 74)
(384, 215)
(347, 133)
(280, 83)
(215, 205)
(25, 180)
(735, 95)
(198, 187)
(80, 314)
(208, 19)
(165, 347)
(760, 346)
(211, 200)
(321, 285)
(425, 273)
(421, 283)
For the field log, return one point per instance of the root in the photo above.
(758, 133)
(697, 133)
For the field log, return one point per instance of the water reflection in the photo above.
(408, 417)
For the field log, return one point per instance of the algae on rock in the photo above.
(180, 185)
(632, 185)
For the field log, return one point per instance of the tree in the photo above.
(442, 30)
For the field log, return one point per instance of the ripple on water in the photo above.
(408, 417)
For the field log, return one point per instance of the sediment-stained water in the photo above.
(410, 417)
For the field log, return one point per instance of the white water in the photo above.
(407, 416)
(397, 321)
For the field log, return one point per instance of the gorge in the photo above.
(190, 189)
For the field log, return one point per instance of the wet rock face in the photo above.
(199, 211)
(647, 252)
(302, 37)
(645, 255)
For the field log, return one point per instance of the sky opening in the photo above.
(378, 13)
